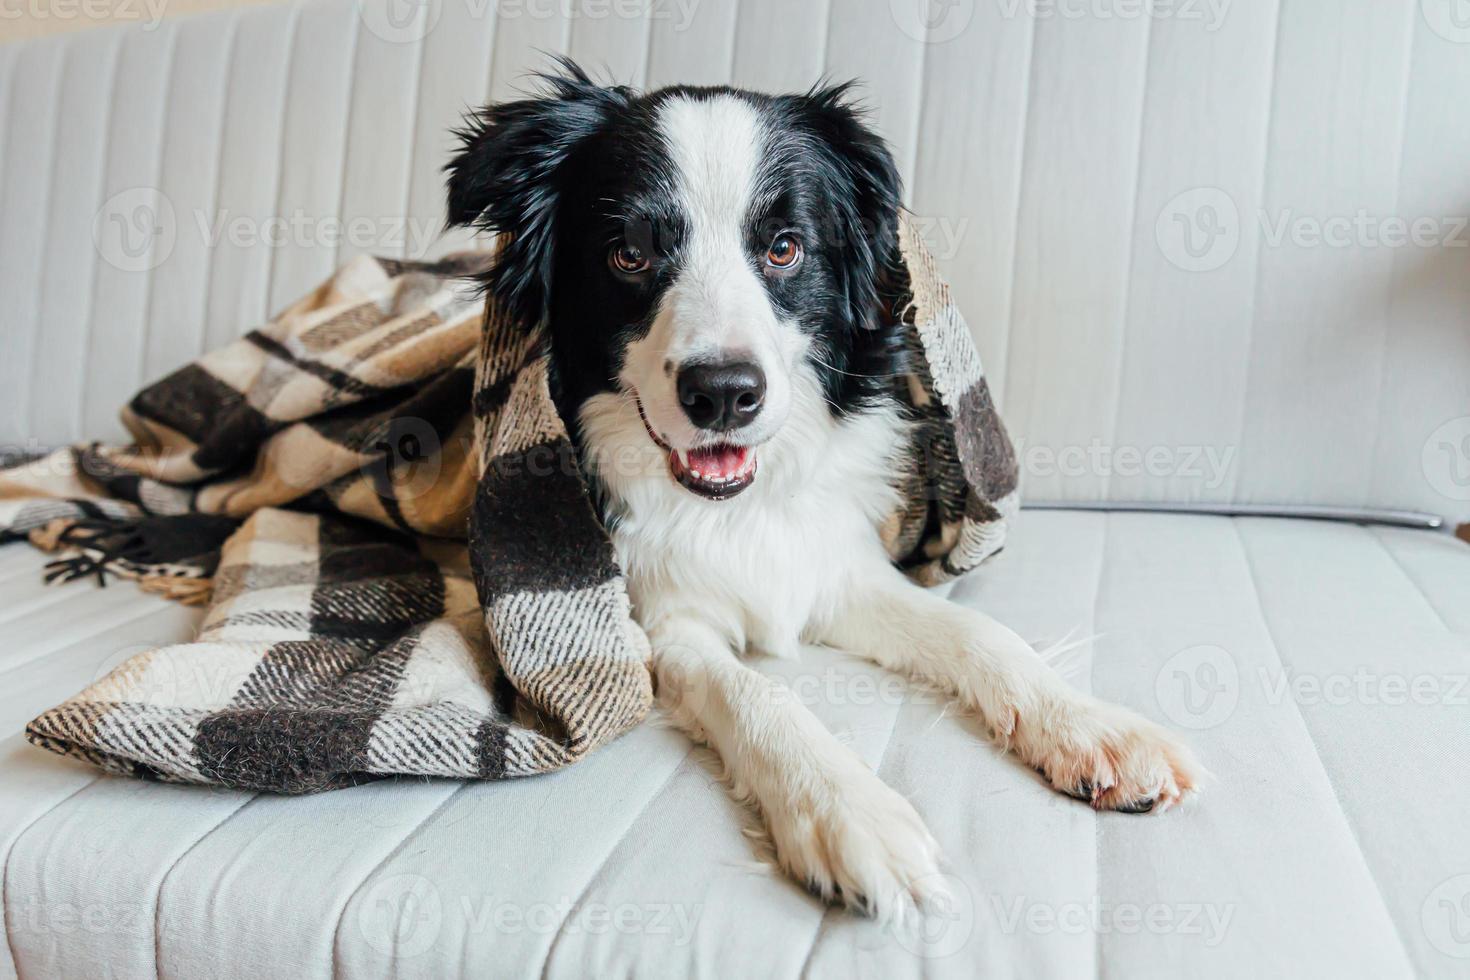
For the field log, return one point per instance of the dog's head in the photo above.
(714, 259)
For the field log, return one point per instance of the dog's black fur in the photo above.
(571, 173)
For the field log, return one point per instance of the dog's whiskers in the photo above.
(853, 374)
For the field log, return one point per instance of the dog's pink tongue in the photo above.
(721, 462)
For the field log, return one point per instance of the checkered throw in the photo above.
(404, 569)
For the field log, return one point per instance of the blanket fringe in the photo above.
(48, 537)
(65, 570)
(173, 556)
(103, 546)
(186, 591)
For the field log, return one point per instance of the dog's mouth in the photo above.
(717, 472)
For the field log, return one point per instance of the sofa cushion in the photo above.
(1318, 668)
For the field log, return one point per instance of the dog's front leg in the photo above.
(1085, 747)
(835, 825)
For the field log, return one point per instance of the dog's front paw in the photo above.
(1109, 757)
(852, 839)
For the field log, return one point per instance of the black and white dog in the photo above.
(712, 266)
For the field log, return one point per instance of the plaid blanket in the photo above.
(404, 568)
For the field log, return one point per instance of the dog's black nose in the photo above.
(722, 396)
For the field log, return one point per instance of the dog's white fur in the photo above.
(797, 557)
(717, 307)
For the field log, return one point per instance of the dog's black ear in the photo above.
(504, 179)
(867, 194)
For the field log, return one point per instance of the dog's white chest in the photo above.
(762, 566)
(758, 575)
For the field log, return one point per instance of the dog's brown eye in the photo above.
(628, 259)
(784, 252)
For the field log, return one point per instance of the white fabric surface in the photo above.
(1330, 844)
(1045, 145)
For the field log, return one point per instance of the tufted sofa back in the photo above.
(1212, 251)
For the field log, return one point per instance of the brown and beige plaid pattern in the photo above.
(405, 570)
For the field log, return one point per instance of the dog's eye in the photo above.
(784, 253)
(628, 259)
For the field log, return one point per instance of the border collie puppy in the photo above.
(711, 267)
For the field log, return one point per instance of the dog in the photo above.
(710, 267)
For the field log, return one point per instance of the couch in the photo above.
(1212, 258)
